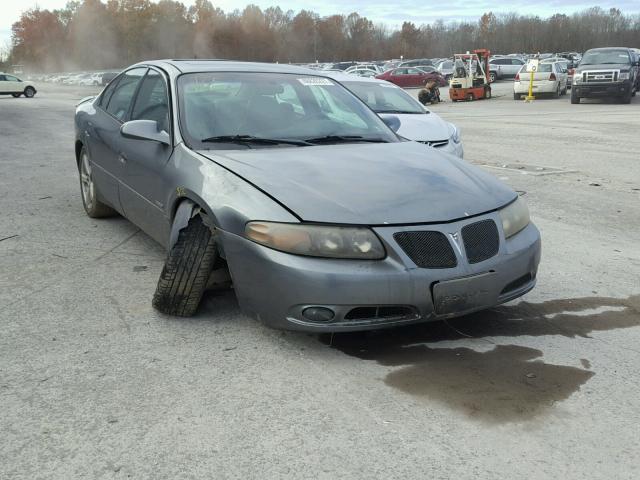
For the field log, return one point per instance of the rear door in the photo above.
(104, 133)
(415, 78)
(514, 67)
(142, 187)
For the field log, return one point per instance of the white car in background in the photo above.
(416, 122)
(550, 78)
(12, 85)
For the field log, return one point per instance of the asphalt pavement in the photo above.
(96, 384)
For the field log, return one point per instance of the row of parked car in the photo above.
(82, 78)
(610, 72)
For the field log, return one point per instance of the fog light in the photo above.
(318, 314)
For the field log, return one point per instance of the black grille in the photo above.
(381, 312)
(427, 249)
(480, 240)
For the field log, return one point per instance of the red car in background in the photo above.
(412, 76)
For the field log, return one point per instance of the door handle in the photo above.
(122, 159)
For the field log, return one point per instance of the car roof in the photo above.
(213, 65)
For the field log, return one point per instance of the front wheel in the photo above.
(29, 92)
(186, 271)
(575, 99)
(15, 95)
(626, 98)
(493, 76)
(487, 93)
(517, 96)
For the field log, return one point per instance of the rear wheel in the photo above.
(186, 271)
(493, 76)
(487, 92)
(29, 92)
(94, 207)
(558, 91)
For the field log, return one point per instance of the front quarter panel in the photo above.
(228, 199)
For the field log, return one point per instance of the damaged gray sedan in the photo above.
(325, 219)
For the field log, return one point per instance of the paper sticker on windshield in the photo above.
(310, 81)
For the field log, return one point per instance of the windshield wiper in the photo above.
(244, 139)
(345, 139)
(400, 111)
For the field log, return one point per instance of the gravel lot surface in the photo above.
(95, 384)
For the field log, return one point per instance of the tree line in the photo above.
(92, 34)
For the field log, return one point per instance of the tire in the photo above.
(487, 93)
(517, 96)
(575, 99)
(558, 92)
(186, 271)
(16, 95)
(626, 99)
(29, 92)
(89, 190)
(493, 76)
(470, 97)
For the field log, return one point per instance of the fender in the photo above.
(186, 211)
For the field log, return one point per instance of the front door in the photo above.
(142, 188)
(10, 84)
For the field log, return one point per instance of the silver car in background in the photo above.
(325, 219)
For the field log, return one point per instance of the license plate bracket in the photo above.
(465, 294)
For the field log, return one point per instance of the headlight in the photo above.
(455, 133)
(317, 240)
(515, 217)
(623, 76)
(577, 77)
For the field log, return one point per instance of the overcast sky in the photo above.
(393, 13)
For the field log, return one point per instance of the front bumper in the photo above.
(598, 90)
(277, 287)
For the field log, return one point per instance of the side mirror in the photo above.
(392, 122)
(145, 130)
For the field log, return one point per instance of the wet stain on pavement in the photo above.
(507, 383)
(501, 385)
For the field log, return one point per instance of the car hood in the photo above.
(368, 184)
(608, 66)
(421, 127)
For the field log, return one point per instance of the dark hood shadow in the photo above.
(504, 384)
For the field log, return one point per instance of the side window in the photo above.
(11, 78)
(413, 71)
(122, 96)
(3, 78)
(108, 91)
(515, 61)
(400, 71)
(152, 101)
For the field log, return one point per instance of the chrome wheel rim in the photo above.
(86, 182)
